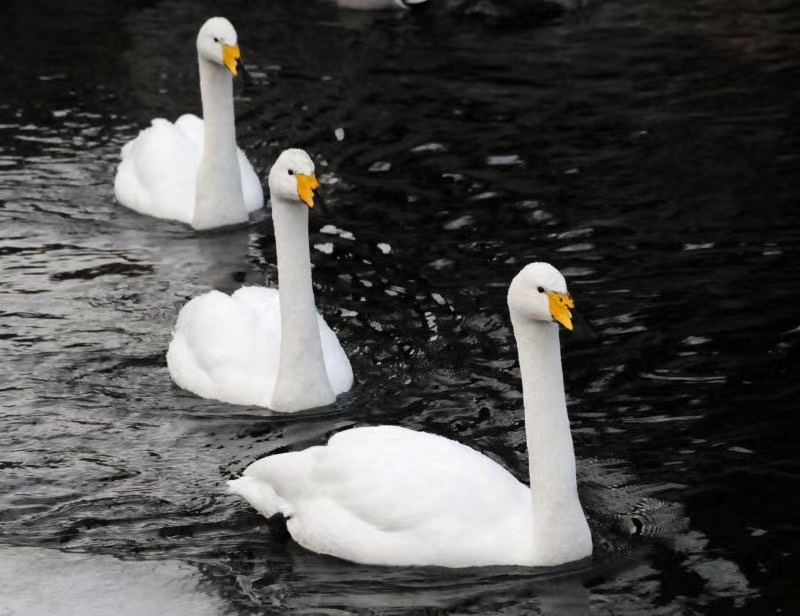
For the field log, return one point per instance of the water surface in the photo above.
(650, 152)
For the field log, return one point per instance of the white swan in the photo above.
(192, 171)
(387, 495)
(259, 346)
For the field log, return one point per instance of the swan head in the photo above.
(217, 43)
(539, 293)
(292, 177)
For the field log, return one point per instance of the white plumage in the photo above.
(387, 495)
(227, 347)
(192, 171)
(158, 173)
(263, 346)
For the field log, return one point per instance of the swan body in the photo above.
(192, 171)
(263, 346)
(227, 347)
(387, 495)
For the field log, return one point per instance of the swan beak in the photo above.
(560, 305)
(230, 57)
(306, 189)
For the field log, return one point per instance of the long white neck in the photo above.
(219, 199)
(302, 380)
(560, 531)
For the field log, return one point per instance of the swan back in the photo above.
(392, 496)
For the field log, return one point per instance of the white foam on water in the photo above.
(42, 582)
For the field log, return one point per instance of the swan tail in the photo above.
(260, 495)
(278, 483)
(337, 365)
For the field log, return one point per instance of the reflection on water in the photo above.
(647, 150)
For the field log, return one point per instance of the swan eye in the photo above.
(540, 289)
(291, 172)
(216, 39)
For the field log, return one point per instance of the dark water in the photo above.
(648, 149)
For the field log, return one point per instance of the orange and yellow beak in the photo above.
(560, 306)
(230, 57)
(306, 187)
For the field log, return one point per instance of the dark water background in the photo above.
(648, 149)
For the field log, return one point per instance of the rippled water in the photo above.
(647, 149)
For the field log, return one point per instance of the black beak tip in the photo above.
(244, 75)
(319, 201)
